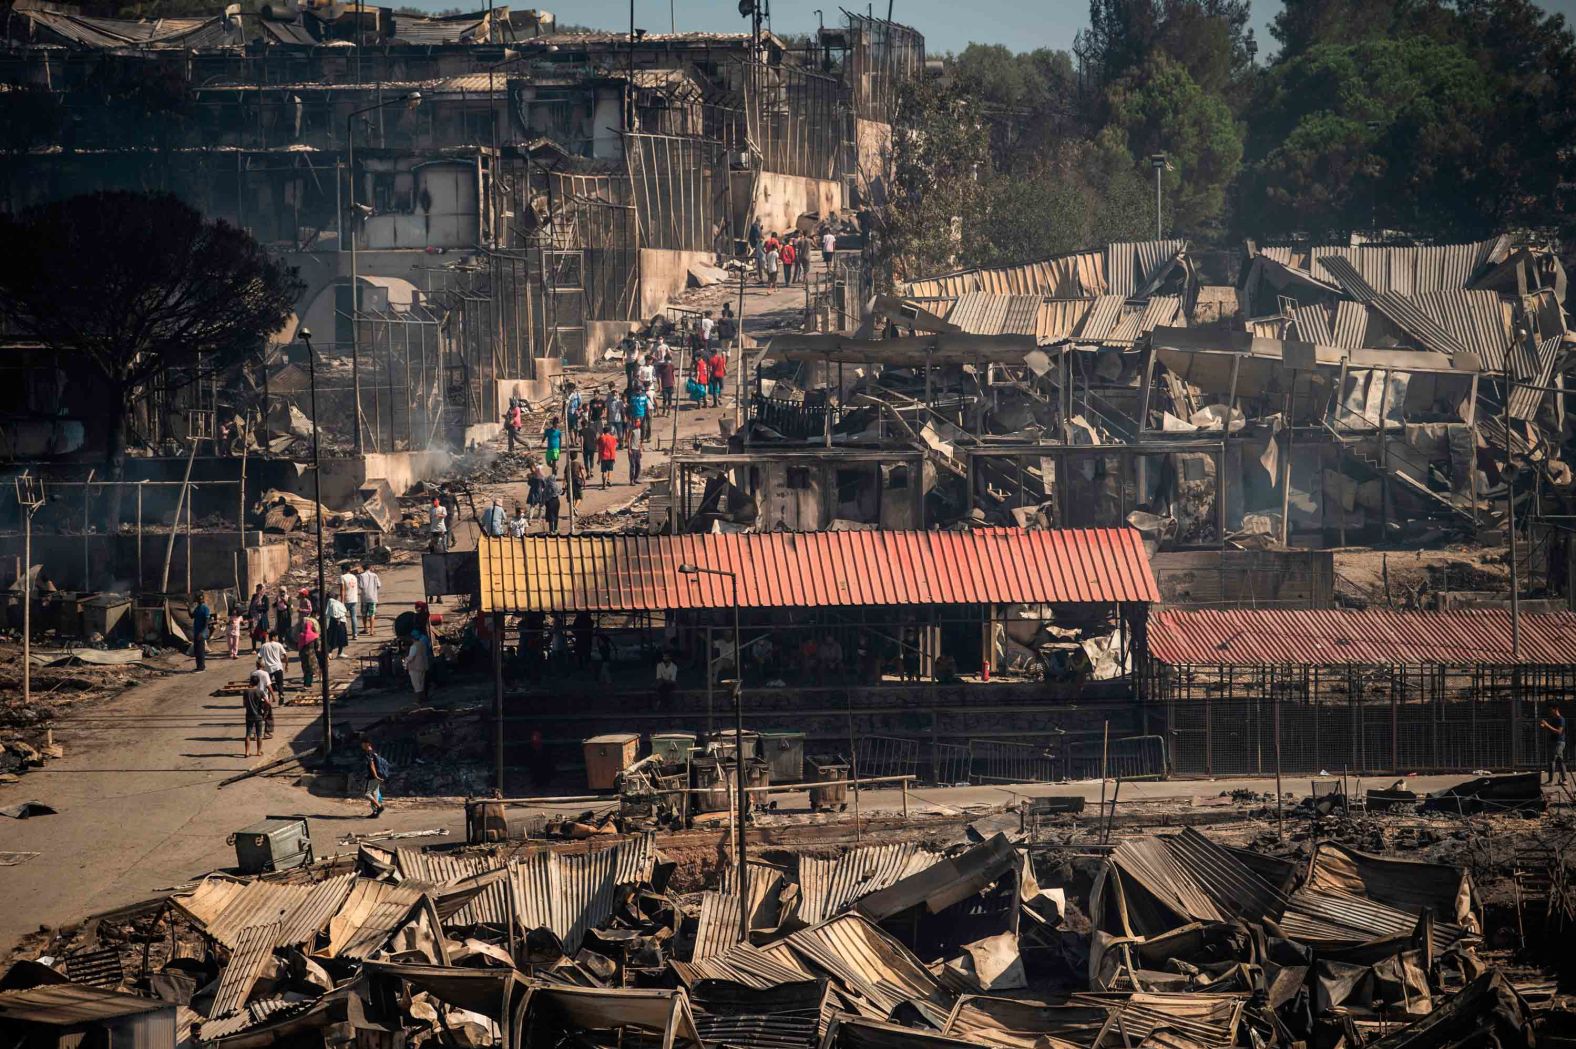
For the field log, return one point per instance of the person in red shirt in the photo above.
(787, 255)
(607, 453)
(718, 367)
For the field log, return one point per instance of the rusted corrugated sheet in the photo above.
(1367, 271)
(878, 972)
(1026, 1025)
(1535, 367)
(570, 895)
(252, 952)
(225, 908)
(1121, 269)
(1479, 319)
(258, 1012)
(1162, 310)
(1315, 915)
(490, 907)
(979, 312)
(1057, 319)
(1347, 275)
(1207, 1019)
(817, 569)
(1350, 328)
(828, 887)
(756, 967)
(1372, 636)
(372, 913)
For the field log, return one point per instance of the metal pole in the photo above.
(355, 297)
(738, 760)
(317, 496)
(497, 625)
(27, 608)
(1157, 202)
(1510, 528)
(569, 465)
(1280, 832)
(738, 339)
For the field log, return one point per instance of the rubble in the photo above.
(1190, 941)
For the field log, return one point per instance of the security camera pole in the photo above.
(322, 588)
(738, 739)
(410, 101)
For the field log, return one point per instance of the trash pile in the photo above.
(1189, 943)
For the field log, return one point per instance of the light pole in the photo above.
(29, 497)
(738, 738)
(1159, 162)
(322, 588)
(411, 101)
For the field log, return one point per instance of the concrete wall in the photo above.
(663, 274)
(548, 371)
(781, 199)
(341, 477)
(873, 140)
(105, 562)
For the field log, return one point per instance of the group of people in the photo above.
(788, 255)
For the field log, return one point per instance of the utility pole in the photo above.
(1510, 516)
(29, 497)
(322, 588)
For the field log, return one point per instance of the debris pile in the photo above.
(1189, 943)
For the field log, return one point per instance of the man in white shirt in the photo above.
(438, 526)
(274, 657)
(667, 679)
(417, 661)
(350, 594)
(707, 326)
(646, 375)
(370, 585)
(828, 247)
(263, 681)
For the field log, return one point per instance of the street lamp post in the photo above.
(322, 588)
(29, 497)
(1159, 162)
(738, 739)
(411, 101)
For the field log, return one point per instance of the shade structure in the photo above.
(631, 573)
(1329, 636)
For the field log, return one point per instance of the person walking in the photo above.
(667, 679)
(233, 632)
(494, 520)
(1554, 725)
(274, 657)
(575, 483)
(418, 661)
(451, 503)
(338, 617)
(350, 594)
(717, 366)
(533, 493)
(633, 452)
(306, 640)
(615, 415)
(828, 246)
(773, 264)
(371, 587)
(790, 260)
(437, 526)
(646, 375)
(553, 440)
(639, 416)
(607, 453)
(708, 328)
(282, 626)
(254, 703)
(727, 326)
(262, 679)
(202, 624)
(665, 382)
(753, 238)
(551, 500)
(377, 775)
(513, 422)
(260, 614)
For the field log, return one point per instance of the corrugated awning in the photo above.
(630, 573)
(1373, 636)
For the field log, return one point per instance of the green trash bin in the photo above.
(784, 752)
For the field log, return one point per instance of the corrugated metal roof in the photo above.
(1075, 275)
(1207, 1019)
(829, 887)
(258, 1012)
(570, 895)
(742, 963)
(224, 907)
(74, 1003)
(491, 907)
(815, 569)
(1101, 320)
(1535, 367)
(1057, 319)
(1347, 275)
(246, 964)
(979, 312)
(1313, 325)
(1479, 319)
(878, 973)
(1350, 328)
(1372, 636)
(1026, 1025)
(1314, 915)
(1367, 271)
(90, 32)
(373, 912)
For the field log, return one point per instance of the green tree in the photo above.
(130, 287)
(940, 153)
(1161, 109)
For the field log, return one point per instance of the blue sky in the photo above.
(948, 25)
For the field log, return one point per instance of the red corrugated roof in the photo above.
(1336, 636)
(788, 569)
